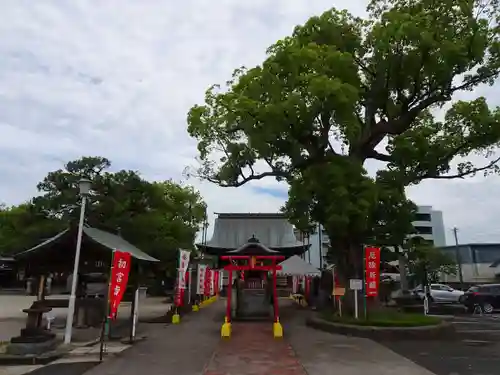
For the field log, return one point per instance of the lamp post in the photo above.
(84, 186)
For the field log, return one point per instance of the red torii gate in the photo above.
(251, 264)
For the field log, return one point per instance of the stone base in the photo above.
(34, 335)
(31, 348)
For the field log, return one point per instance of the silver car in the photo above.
(440, 293)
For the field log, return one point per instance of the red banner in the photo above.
(208, 281)
(179, 292)
(372, 259)
(118, 282)
(216, 282)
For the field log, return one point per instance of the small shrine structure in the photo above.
(55, 256)
(249, 247)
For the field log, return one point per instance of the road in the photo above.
(475, 352)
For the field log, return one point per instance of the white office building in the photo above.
(429, 225)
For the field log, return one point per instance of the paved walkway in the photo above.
(182, 349)
(194, 348)
(323, 353)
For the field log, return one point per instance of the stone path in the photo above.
(252, 350)
(182, 349)
(194, 348)
(323, 353)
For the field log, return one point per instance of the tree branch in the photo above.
(462, 174)
(252, 177)
(372, 154)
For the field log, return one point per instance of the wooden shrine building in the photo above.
(269, 233)
(243, 237)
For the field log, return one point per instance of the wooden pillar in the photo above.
(275, 295)
(229, 295)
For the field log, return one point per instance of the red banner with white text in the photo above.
(216, 281)
(372, 259)
(208, 281)
(118, 282)
(181, 282)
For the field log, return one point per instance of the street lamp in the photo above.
(84, 185)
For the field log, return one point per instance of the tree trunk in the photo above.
(349, 265)
(402, 272)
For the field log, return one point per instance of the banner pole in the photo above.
(364, 281)
(105, 321)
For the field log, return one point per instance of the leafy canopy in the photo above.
(21, 228)
(424, 260)
(340, 85)
(342, 90)
(158, 217)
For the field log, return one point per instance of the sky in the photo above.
(116, 78)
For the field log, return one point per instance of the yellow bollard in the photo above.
(176, 318)
(225, 331)
(277, 329)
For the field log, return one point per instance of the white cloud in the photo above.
(116, 78)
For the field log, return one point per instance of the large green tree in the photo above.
(21, 227)
(343, 90)
(158, 217)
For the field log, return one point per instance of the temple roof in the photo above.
(107, 240)
(253, 247)
(232, 230)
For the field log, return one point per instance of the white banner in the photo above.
(183, 266)
(212, 282)
(295, 284)
(200, 283)
(221, 279)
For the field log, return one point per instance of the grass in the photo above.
(385, 319)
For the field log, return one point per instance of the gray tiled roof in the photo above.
(234, 230)
(108, 240)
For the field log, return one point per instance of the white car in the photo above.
(441, 293)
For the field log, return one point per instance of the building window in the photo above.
(465, 255)
(487, 254)
(423, 230)
(423, 217)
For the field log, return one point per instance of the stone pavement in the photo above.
(194, 347)
(323, 353)
(182, 349)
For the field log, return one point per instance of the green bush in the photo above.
(385, 319)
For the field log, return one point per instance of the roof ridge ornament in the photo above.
(253, 239)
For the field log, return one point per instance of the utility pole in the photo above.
(458, 258)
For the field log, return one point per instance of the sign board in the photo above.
(372, 259)
(356, 284)
(338, 291)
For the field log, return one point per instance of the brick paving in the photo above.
(252, 350)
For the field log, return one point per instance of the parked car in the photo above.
(486, 297)
(440, 293)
